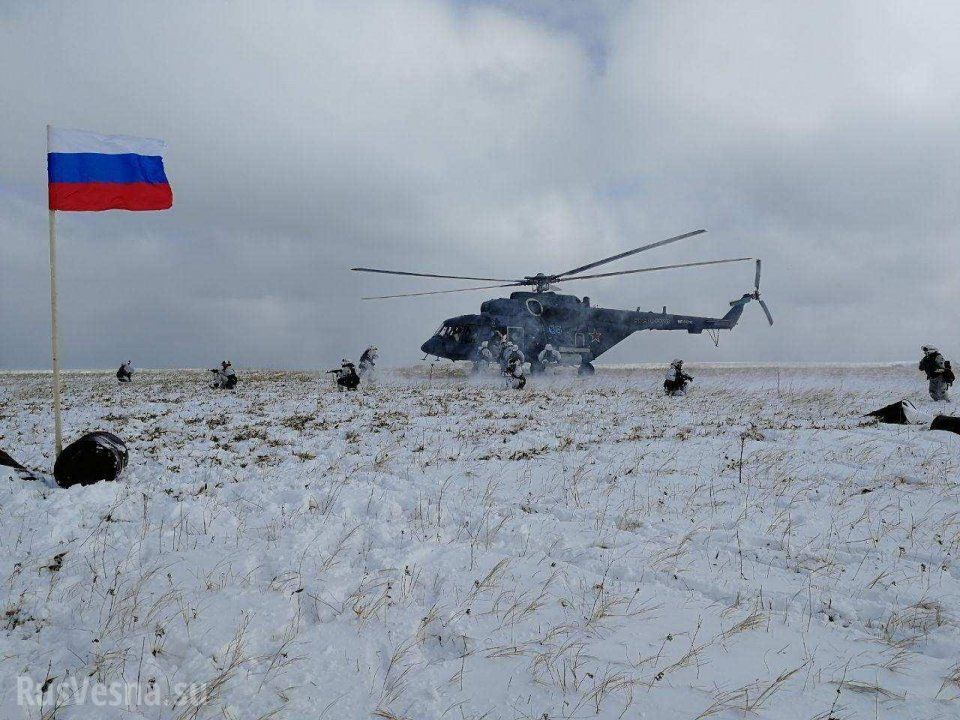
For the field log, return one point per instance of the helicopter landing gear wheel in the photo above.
(586, 369)
(537, 368)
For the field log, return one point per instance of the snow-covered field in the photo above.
(433, 548)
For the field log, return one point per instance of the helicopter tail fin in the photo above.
(736, 310)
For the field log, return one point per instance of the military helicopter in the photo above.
(579, 331)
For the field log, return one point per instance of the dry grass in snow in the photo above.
(450, 549)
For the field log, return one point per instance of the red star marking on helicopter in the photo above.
(595, 336)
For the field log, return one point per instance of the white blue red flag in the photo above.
(87, 171)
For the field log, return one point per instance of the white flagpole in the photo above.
(53, 326)
(53, 334)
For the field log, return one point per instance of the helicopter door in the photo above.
(515, 334)
(580, 340)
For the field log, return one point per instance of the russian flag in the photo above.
(87, 171)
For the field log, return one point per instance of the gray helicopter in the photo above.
(579, 331)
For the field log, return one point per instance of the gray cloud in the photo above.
(498, 137)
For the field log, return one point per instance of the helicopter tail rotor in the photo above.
(756, 294)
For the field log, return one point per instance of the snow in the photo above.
(437, 547)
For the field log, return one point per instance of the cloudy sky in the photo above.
(485, 138)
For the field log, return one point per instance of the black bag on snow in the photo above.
(8, 461)
(893, 414)
(94, 457)
(946, 422)
(24, 472)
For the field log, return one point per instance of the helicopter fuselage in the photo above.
(578, 331)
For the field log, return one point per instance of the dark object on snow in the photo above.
(224, 379)
(346, 376)
(676, 379)
(946, 422)
(677, 385)
(94, 457)
(9, 461)
(125, 372)
(894, 414)
(24, 472)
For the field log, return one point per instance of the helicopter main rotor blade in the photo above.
(592, 265)
(442, 292)
(756, 280)
(652, 269)
(431, 275)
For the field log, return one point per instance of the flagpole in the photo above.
(54, 343)
(53, 334)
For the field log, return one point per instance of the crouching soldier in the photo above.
(226, 377)
(676, 380)
(549, 356)
(346, 375)
(934, 366)
(368, 362)
(125, 373)
(482, 357)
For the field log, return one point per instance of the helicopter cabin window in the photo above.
(462, 333)
(458, 333)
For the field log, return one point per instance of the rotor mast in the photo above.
(540, 282)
